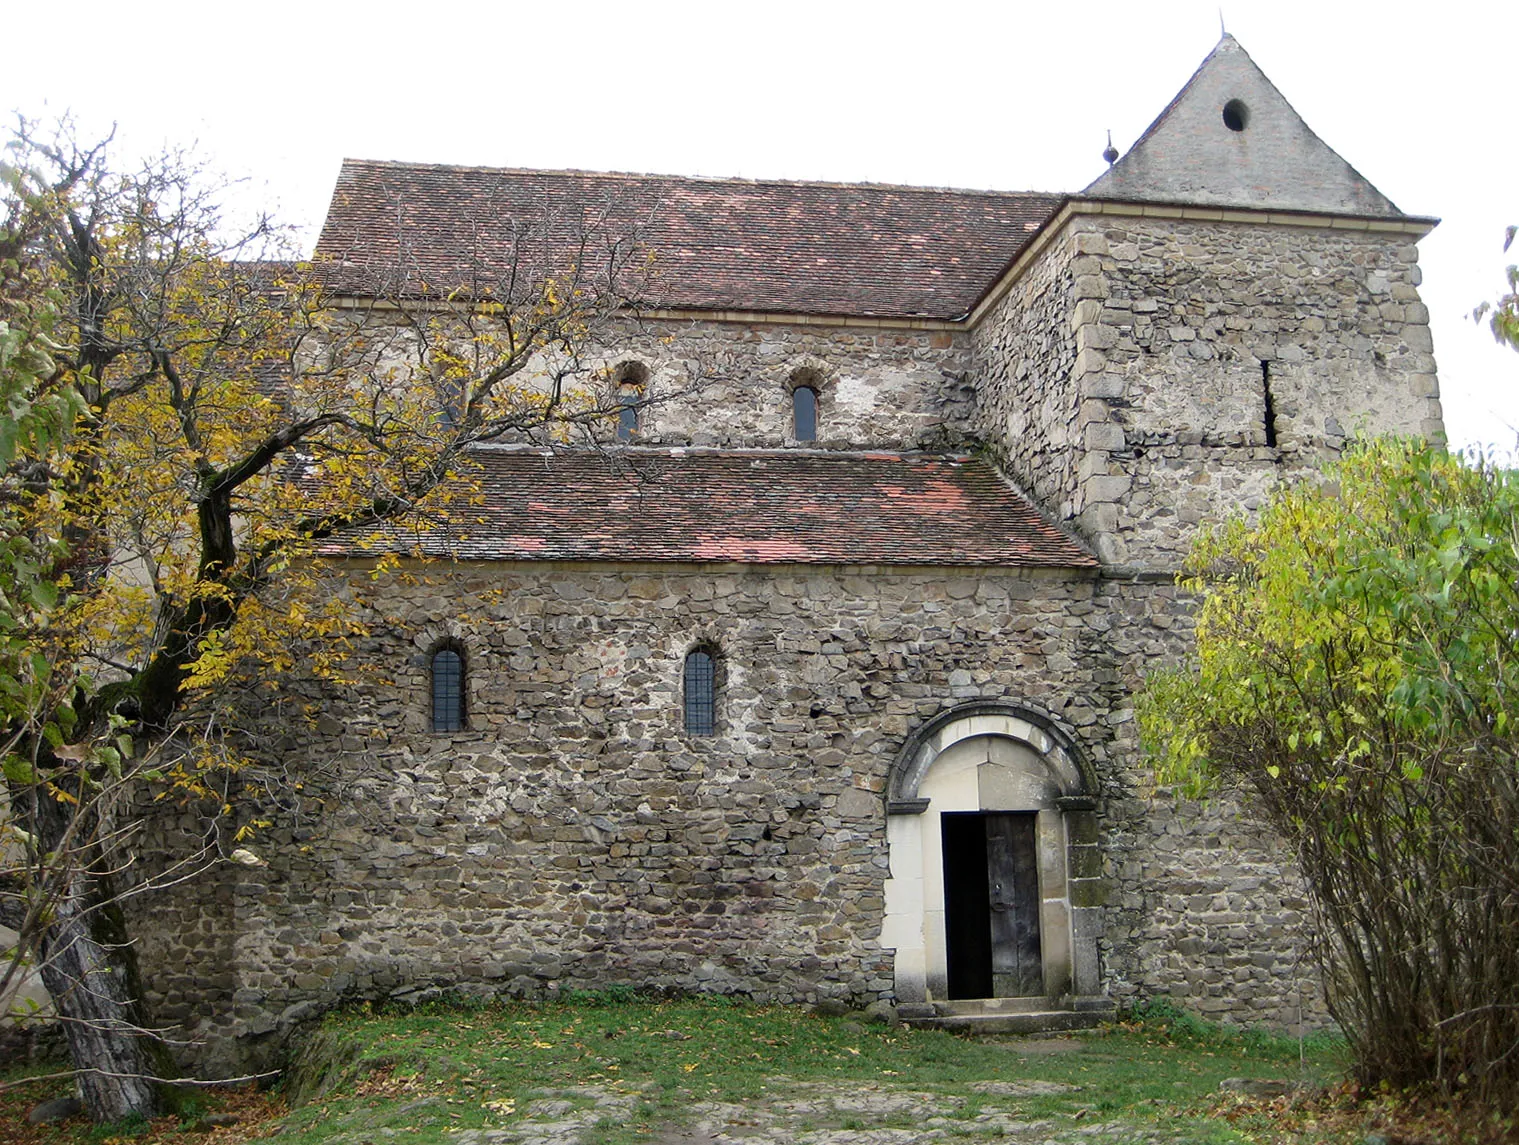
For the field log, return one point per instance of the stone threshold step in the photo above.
(1030, 1023)
(994, 1016)
(1039, 1005)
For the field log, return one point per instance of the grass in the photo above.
(650, 1063)
(612, 1069)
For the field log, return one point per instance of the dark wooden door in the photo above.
(991, 905)
(1012, 876)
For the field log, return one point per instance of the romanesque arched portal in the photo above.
(994, 859)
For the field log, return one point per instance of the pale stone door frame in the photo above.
(993, 756)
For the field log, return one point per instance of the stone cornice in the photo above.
(767, 318)
(729, 317)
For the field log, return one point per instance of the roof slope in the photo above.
(745, 506)
(862, 250)
(1270, 158)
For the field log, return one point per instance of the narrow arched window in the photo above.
(447, 690)
(451, 394)
(627, 416)
(804, 413)
(632, 379)
(701, 693)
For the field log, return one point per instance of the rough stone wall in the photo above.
(1123, 377)
(1209, 913)
(1205, 906)
(182, 915)
(1026, 351)
(729, 384)
(1181, 327)
(575, 836)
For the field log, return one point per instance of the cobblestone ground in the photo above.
(809, 1113)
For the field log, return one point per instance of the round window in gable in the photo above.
(1236, 115)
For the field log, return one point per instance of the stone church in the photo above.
(814, 684)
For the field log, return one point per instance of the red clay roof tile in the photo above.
(855, 250)
(744, 506)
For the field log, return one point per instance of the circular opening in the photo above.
(1236, 115)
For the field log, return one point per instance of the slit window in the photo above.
(447, 690)
(804, 413)
(700, 693)
(1270, 404)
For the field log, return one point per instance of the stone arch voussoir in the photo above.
(1028, 723)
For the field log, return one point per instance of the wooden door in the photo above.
(991, 905)
(1012, 876)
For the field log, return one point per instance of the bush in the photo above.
(1357, 654)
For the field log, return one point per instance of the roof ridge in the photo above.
(736, 180)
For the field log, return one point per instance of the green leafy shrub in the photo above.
(1355, 679)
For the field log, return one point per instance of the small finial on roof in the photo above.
(1223, 32)
(1111, 152)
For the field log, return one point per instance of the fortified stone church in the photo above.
(816, 683)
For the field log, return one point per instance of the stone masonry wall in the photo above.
(1183, 327)
(1028, 401)
(574, 836)
(1123, 378)
(1205, 906)
(1211, 914)
(729, 384)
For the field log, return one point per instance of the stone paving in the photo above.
(810, 1113)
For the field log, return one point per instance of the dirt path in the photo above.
(810, 1113)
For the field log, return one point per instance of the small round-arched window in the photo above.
(699, 694)
(1236, 115)
(632, 380)
(628, 399)
(447, 690)
(804, 413)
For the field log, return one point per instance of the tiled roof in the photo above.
(861, 250)
(745, 506)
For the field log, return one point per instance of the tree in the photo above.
(1503, 316)
(190, 411)
(1355, 677)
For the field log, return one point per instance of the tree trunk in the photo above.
(90, 970)
(98, 1018)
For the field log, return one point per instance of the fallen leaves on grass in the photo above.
(1346, 1112)
(257, 1116)
(383, 1082)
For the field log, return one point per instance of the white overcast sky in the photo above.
(1010, 96)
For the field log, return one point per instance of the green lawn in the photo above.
(619, 1071)
(612, 1069)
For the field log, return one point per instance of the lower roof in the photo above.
(741, 506)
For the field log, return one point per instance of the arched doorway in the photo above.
(995, 884)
